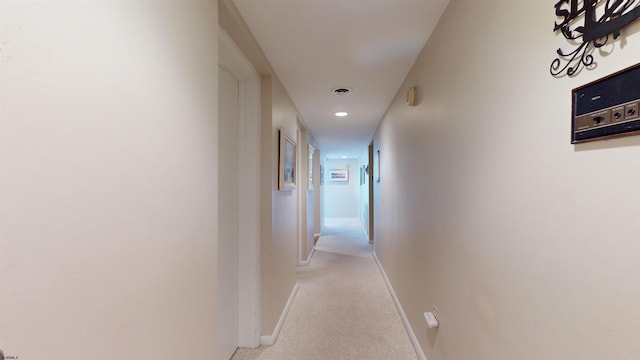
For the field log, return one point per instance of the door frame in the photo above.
(371, 207)
(232, 59)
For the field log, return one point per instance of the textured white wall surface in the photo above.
(280, 245)
(342, 197)
(108, 173)
(527, 245)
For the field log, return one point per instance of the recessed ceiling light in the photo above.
(342, 114)
(340, 91)
(344, 157)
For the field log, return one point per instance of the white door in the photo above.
(228, 250)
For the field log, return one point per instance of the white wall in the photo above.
(527, 245)
(342, 198)
(280, 208)
(364, 193)
(108, 196)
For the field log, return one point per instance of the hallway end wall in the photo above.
(341, 197)
(524, 245)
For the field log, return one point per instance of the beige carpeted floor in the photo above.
(343, 309)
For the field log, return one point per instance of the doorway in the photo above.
(228, 214)
(238, 293)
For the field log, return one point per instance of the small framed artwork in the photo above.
(339, 175)
(378, 166)
(310, 166)
(321, 175)
(287, 162)
(362, 175)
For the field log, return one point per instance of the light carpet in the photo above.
(343, 309)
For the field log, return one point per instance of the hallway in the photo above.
(342, 310)
(144, 147)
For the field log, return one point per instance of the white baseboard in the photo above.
(308, 261)
(364, 231)
(269, 340)
(403, 316)
(340, 221)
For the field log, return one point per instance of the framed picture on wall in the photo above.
(339, 175)
(321, 175)
(287, 163)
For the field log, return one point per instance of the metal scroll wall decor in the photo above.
(589, 24)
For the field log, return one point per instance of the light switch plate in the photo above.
(432, 322)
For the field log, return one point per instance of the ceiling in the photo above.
(315, 46)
